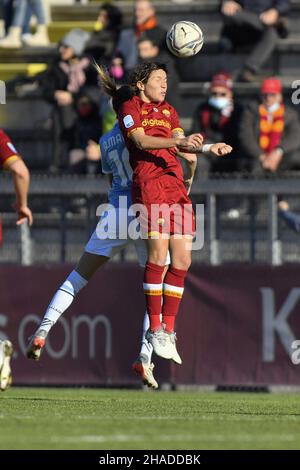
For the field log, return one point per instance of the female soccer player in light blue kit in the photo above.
(99, 249)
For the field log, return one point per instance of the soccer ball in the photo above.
(184, 39)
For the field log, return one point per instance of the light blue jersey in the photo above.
(115, 161)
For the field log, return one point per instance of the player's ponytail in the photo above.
(108, 83)
(118, 95)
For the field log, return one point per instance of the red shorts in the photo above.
(166, 206)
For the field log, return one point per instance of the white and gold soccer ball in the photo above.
(185, 39)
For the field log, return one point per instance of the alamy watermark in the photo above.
(296, 94)
(295, 357)
(135, 221)
(2, 92)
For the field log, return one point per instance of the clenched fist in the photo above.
(220, 149)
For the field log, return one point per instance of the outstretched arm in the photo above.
(192, 144)
(219, 149)
(21, 180)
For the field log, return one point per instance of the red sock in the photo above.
(153, 292)
(173, 290)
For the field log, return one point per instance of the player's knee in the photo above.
(183, 262)
(158, 257)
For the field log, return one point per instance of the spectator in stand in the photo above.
(218, 120)
(254, 23)
(149, 51)
(103, 40)
(84, 156)
(20, 16)
(270, 132)
(64, 81)
(118, 73)
(7, 13)
(145, 21)
(117, 69)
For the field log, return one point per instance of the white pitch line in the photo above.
(213, 417)
(200, 439)
(242, 438)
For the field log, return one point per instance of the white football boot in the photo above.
(144, 369)
(164, 344)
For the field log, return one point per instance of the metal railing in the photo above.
(58, 223)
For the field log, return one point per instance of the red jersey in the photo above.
(157, 120)
(8, 153)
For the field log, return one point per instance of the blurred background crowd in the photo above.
(263, 129)
(242, 88)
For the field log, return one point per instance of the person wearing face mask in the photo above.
(270, 132)
(116, 69)
(106, 111)
(218, 119)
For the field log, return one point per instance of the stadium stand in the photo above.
(195, 72)
(26, 119)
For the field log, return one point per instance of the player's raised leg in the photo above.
(63, 298)
(173, 286)
(143, 365)
(153, 289)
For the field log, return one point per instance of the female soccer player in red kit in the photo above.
(154, 137)
(11, 161)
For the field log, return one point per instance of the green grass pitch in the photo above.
(48, 418)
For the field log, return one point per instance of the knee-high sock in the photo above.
(153, 293)
(146, 348)
(173, 288)
(62, 300)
